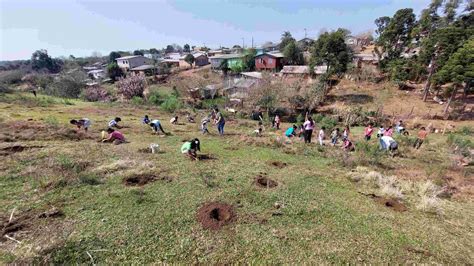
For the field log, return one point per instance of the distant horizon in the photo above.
(81, 28)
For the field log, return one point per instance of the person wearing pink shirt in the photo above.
(115, 136)
(389, 131)
(368, 132)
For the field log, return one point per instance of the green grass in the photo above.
(323, 218)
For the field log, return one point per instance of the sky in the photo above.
(80, 28)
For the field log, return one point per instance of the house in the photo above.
(200, 59)
(129, 62)
(269, 62)
(240, 89)
(251, 75)
(411, 52)
(152, 56)
(351, 40)
(169, 63)
(233, 60)
(302, 71)
(146, 70)
(97, 74)
(305, 43)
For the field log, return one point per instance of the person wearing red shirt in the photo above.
(368, 132)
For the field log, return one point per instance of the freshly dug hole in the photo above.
(16, 148)
(215, 215)
(26, 220)
(389, 203)
(143, 179)
(278, 164)
(264, 182)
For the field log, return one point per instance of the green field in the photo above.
(315, 214)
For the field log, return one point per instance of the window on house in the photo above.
(270, 60)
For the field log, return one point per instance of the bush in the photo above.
(171, 104)
(137, 100)
(68, 85)
(131, 86)
(155, 98)
(96, 94)
(367, 153)
(460, 144)
(11, 77)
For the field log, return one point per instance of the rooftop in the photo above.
(276, 54)
(256, 75)
(227, 56)
(128, 57)
(143, 67)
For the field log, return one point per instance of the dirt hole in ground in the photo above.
(144, 150)
(26, 220)
(278, 164)
(389, 203)
(215, 215)
(206, 157)
(143, 179)
(16, 148)
(262, 181)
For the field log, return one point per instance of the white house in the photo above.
(97, 74)
(129, 62)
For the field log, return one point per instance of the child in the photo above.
(345, 133)
(259, 130)
(190, 148)
(190, 119)
(174, 120)
(388, 143)
(84, 123)
(155, 125)
(421, 137)
(204, 122)
(334, 136)
(277, 122)
(114, 136)
(368, 132)
(308, 129)
(347, 145)
(321, 136)
(399, 127)
(146, 120)
(114, 122)
(388, 132)
(380, 132)
(291, 131)
(219, 121)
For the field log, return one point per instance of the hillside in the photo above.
(66, 198)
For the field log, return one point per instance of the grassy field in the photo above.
(315, 214)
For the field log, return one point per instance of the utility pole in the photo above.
(305, 33)
(252, 41)
(243, 42)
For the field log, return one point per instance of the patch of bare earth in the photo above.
(261, 180)
(278, 164)
(215, 215)
(392, 204)
(143, 179)
(16, 148)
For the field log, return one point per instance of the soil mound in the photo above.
(16, 148)
(143, 179)
(26, 220)
(262, 181)
(389, 203)
(30, 130)
(278, 164)
(215, 215)
(206, 157)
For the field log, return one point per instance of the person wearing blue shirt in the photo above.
(291, 132)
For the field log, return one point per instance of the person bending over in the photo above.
(84, 123)
(190, 148)
(156, 125)
(114, 137)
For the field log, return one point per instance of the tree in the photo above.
(286, 38)
(113, 56)
(40, 60)
(154, 51)
(396, 34)
(330, 49)
(131, 86)
(450, 10)
(459, 69)
(138, 52)
(186, 48)
(293, 54)
(169, 48)
(114, 71)
(68, 85)
(249, 59)
(189, 58)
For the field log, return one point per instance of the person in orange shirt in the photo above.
(421, 137)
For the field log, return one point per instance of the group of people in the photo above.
(218, 119)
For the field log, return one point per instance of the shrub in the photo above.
(460, 144)
(155, 97)
(367, 154)
(137, 100)
(171, 104)
(11, 77)
(429, 201)
(96, 94)
(131, 86)
(68, 85)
